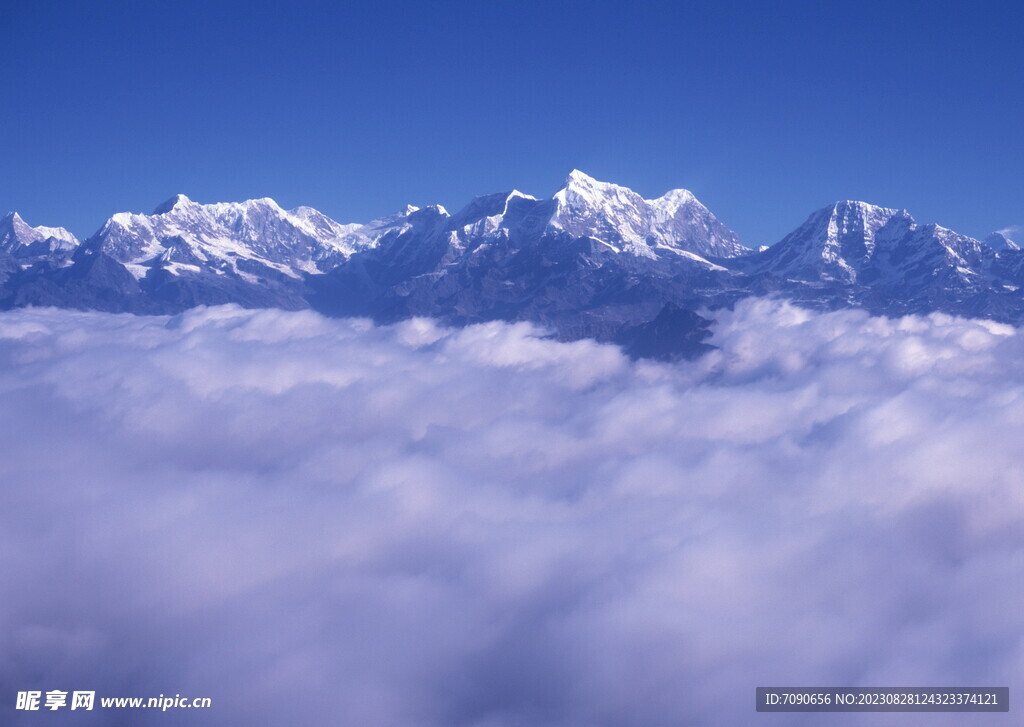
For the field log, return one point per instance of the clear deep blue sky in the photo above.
(766, 111)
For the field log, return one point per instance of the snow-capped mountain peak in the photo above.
(493, 207)
(433, 209)
(595, 258)
(1000, 241)
(577, 176)
(856, 243)
(626, 222)
(581, 191)
(673, 199)
(248, 239)
(853, 215)
(29, 244)
(584, 185)
(853, 225)
(13, 226)
(833, 244)
(177, 202)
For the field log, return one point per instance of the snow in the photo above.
(848, 238)
(699, 259)
(15, 233)
(138, 271)
(178, 268)
(622, 218)
(849, 242)
(1000, 241)
(186, 237)
(220, 234)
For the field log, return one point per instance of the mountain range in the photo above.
(594, 260)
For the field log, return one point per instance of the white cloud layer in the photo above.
(322, 522)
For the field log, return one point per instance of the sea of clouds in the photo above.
(324, 522)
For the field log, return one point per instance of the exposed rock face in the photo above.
(593, 260)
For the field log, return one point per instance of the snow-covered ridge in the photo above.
(257, 237)
(1000, 241)
(15, 231)
(851, 242)
(622, 219)
(593, 258)
(238, 238)
(29, 244)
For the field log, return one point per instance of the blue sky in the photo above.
(766, 111)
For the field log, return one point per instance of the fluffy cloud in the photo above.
(317, 521)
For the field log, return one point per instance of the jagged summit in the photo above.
(489, 206)
(175, 202)
(579, 179)
(858, 205)
(31, 244)
(855, 243)
(674, 198)
(862, 215)
(854, 220)
(13, 222)
(593, 259)
(587, 187)
(625, 221)
(249, 240)
(853, 217)
(181, 204)
(581, 188)
(833, 244)
(1000, 241)
(578, 176)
